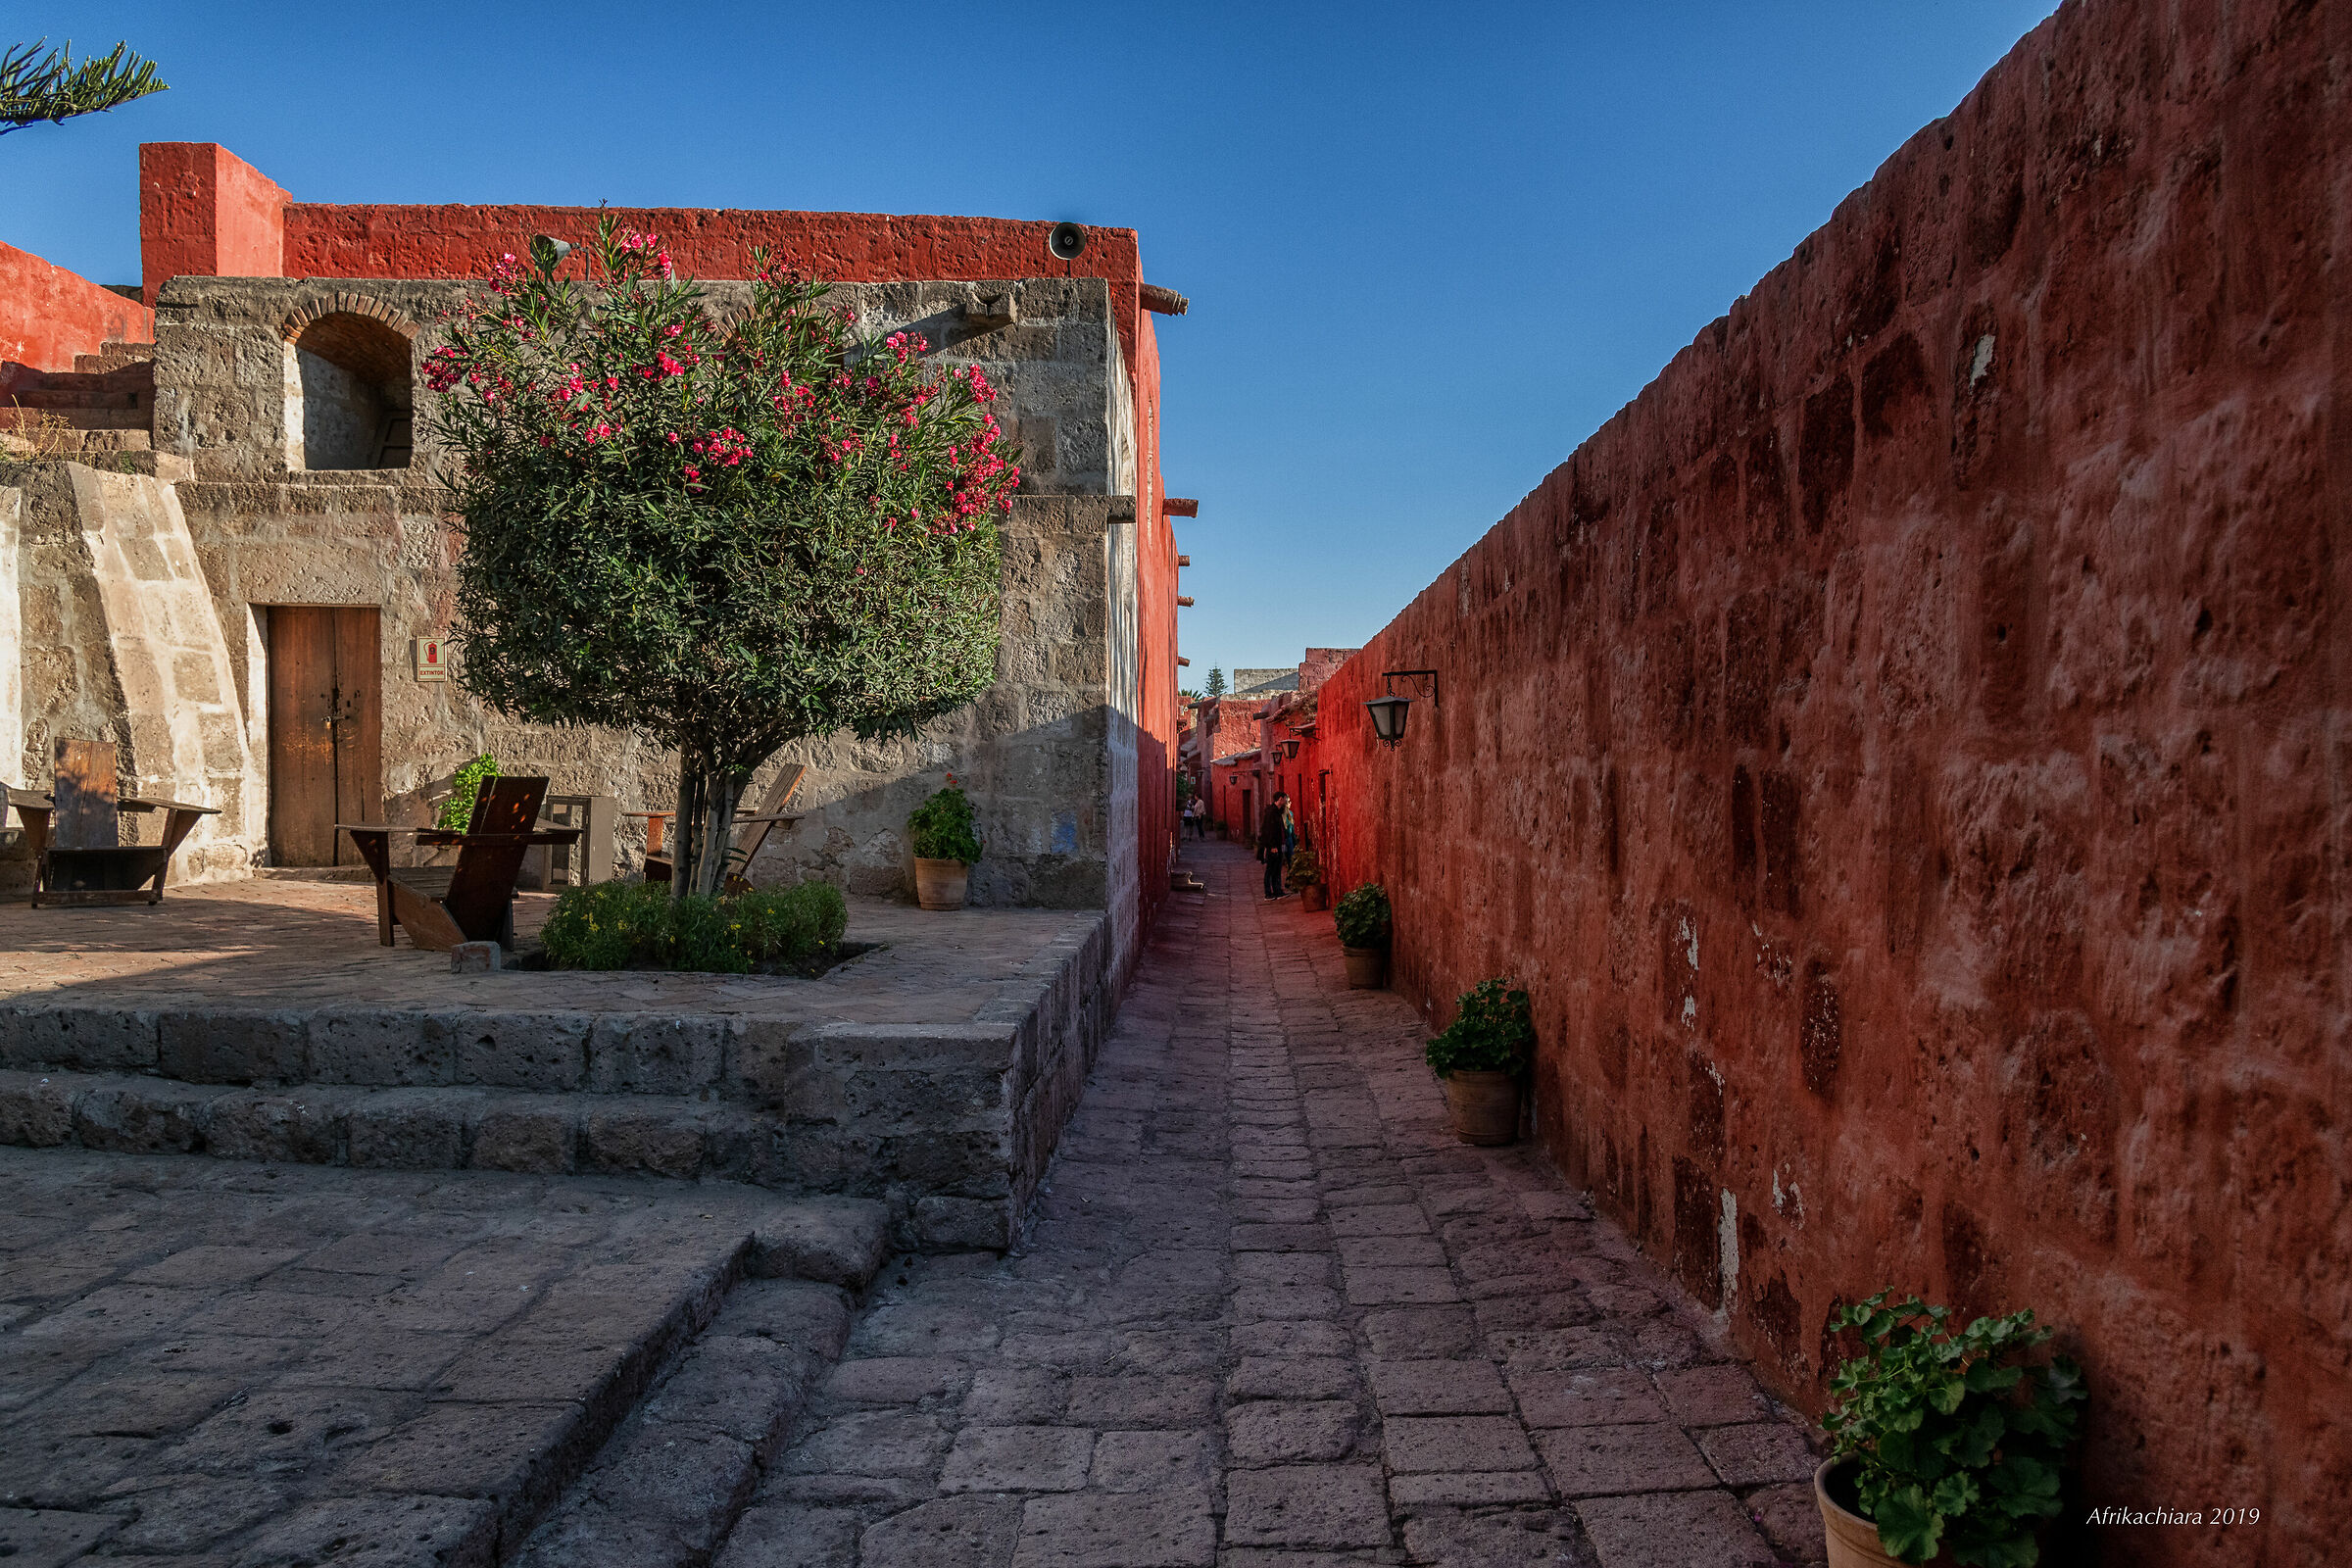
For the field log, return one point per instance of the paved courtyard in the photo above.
(1272, 1313)
(286, 943)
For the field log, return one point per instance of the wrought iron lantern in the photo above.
(1290, 751)
(1389, 710)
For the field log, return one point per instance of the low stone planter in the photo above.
(1364, 966)
(1485, 1110)
(940, 884)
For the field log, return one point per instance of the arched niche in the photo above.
(349, 399)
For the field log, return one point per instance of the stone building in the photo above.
(230, 564)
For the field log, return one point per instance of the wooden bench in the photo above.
(751, 832)
(472, 901)
(75, 835)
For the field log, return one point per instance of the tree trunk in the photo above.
(707, 792)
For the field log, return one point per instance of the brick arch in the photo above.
(365, 336)
(344, 304)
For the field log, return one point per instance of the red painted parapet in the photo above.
(204, 212)
(458, 241)
(48, 314)
(1904, 753)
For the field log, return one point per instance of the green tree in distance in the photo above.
(35, 89)
(726, 531)
(1216, 682)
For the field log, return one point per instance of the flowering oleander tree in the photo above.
(725, 530)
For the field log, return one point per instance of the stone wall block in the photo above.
(409, 1129)
(355, 1046)
(304, 1128)
(970, 1164)
(632, 1054)
(629, 1139)
(147, 1117)
(545, 1052)
(950, 1224)
(37, 1110)
(211, 1047)
(89, 1038)
(526, 1133)
(768, 1061)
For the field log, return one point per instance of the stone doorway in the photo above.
(327, 730)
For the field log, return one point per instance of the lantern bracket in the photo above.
(1390, 677)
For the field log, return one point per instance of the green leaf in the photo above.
(1909, 1526)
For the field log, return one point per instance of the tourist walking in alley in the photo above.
(1270, 834)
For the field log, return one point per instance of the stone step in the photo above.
(717, 1319)
(674, 1137)
(669, 1483)
(113, 357)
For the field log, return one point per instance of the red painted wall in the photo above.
(1155, 628)
(1905, 751)
(48, 314)
(204, 212)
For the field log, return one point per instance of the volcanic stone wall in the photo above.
(1905, 754)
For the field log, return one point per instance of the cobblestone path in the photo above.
(1272, 1313)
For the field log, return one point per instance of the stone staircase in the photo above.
(105, 403)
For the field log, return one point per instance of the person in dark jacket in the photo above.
(1270, 830)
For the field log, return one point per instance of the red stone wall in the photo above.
(48, 314)
(1905, 751)
(204, 212)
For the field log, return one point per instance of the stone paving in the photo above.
(272, 944)
(1273, 1313)
(224, 1364)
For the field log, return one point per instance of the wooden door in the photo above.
(326, 731)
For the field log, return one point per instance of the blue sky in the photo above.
(1428, 248)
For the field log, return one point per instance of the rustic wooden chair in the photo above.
(751, 832)
(76, 834)
(472, 901)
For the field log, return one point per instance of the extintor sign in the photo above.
(430, 656)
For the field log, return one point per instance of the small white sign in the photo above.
(431, 658)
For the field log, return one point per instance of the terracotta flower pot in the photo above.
(1854, 1540)
(1484, 1105)
(1363, 967)
(1311, 896)
(940, 884)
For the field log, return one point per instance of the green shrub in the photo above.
(616, 925)
(1957, 1445)
(1362, 916)
(941, 828)
(457, 812)
(1304, 871)
(1494, 1030)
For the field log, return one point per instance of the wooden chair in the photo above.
(472, 901)
(76, 834)
(751, 832)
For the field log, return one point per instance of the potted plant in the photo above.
(1362, 919)
(1306, 876)
(946, 843)
(1945, 1446)
(1481, 1056)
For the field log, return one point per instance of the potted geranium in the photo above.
(1945, 1446)
(1305, 874)
(946, 843)
(1363, 919)
(1480, 1059)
